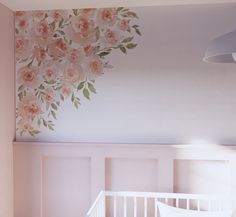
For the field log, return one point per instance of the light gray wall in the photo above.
(161, 91)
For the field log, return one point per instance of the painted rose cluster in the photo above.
(59, 55)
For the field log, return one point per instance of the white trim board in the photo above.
(16, 5)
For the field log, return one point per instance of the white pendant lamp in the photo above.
(222, 49)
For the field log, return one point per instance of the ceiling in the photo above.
(69, 4)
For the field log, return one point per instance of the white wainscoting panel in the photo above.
(131, 174)
(63, 179)
(201, 176)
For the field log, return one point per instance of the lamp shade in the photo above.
(222, 49)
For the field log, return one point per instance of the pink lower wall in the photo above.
(7, 109)
(63, 179)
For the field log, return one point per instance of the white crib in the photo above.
(106, 204)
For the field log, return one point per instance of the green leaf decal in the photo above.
(53, 114)
(86, 93)
(21, 87)
(75, 12)
(97, 33)
(119, 9)
(129, 39)
(61, 22)
(132, 14)
(131, 46)
(54, 106)
(91, 88)
(122, 48)
(104, 53)
(80, 86)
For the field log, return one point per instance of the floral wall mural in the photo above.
(60, 54)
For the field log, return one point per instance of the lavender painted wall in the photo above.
(161, 91)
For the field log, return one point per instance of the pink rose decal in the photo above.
(107, 16)
(73, 74)
(88, 11)
(66, 90)
(23, 47)
(39, 53)
(28, 76)
(75, 56)
(38, 15)
(95, 67)
(58, 15)
(59, 56)
(112, 38)
(57, 48)
(42, 32)
(49, 71)
(123, 24)
(29, 107)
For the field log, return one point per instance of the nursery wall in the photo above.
(7, 111)
(159, 92)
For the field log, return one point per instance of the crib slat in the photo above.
(198, 205)
(188, 204)
(155, 207)
(177, 202)
(125, 207)
(135, 207)
(114, 209)
(145, 207)
(97, 213)
(103, 207)
(166, 201)
(98, 208)
(209, 205)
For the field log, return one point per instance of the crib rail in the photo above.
(98, 207)
(197, 202)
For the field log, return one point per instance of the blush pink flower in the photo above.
(41, 33)
(22, 23)
(82, 24)
(25, 125)
(75, 56)
(106, 16)
(88, 11)
(66, 90)
(39, 15)
(123, 24)
(39, 53)
(73, 74)
(49, 71)
(23, 47)
(19, 14)
(57, 48)
(81, 30)
(49, 97)
(28, 76)
(89, 50)
(95, 67)
(29, 107)
(57, 15)
(112, 38)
